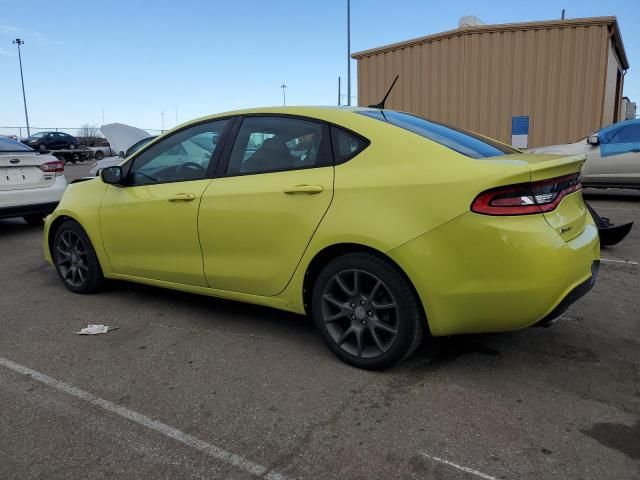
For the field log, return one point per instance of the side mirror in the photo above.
(121, 154)
(112, 175)
(593, 140)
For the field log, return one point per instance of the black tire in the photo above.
(71, 146)
(42, 147)
(71, 238)
(34, 220)
(380, 336)
(99, 155)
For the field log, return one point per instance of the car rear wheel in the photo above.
(42, 147)
(99, 155)
(75, 259)
(367, 311)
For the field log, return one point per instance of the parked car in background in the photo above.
(102, 151)
(31, 184)
(383, 226)
(51, 141)
(123, 139)
(612, 153)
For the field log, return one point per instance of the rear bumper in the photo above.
(32, 209)
(480, 274)
(573, 296)
(31, 197)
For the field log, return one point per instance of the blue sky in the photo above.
(135, 59)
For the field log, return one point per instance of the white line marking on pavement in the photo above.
(189, 440)
(459, 467)
(611, 260)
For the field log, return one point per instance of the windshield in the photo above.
(38, 135)
(9, 145)
(461, 141)
(138, 145)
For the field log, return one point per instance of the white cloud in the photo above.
(8, 29)
(36, 37)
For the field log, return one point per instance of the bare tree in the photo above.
(89, 135)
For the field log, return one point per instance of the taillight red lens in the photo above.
(526, 198)
(56, 166)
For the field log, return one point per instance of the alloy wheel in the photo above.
(71, 258)
(360, 313)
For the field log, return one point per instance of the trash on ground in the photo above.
(95, 329)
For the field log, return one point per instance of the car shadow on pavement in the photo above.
(13, 226)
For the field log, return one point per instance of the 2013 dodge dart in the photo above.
(383, 226)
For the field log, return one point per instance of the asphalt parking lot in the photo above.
(195, 387)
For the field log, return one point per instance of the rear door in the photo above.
(257, 218)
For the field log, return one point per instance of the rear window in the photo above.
(9, 145)
(461, 141)
(346, 145)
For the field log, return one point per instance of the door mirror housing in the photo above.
(112, 175)
(593, 140)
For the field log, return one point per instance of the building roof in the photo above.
(611, 22)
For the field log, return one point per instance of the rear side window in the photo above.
(9, 145)
(461, 141)
(346, 145)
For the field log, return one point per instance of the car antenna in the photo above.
(381, 104)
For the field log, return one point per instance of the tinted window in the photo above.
(346, 145)
(626, 134)
(8, 145)
(179, 157)
(138, 145)
(466, 143)
(269, 144)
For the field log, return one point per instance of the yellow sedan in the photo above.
(383, 226)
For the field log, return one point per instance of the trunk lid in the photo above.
(570, 216)
(19, 171)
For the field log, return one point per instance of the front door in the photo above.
(257, 219)
(150, 225)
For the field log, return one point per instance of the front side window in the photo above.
(269, 144)
(625, 134)
(461, 141)
(186, 155)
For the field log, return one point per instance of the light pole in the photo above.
(19, 42)
(284, 97)
(349, 52)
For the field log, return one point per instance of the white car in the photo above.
(124, 140)
(612, 153)
(31, 184)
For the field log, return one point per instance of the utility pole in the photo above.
(339, 92)
(162, 115)
(349, 52)
(19, 42)
(284, 98)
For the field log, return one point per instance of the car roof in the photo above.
(327, 113)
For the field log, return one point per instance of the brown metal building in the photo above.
(566, 76)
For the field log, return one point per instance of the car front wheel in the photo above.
(367, 311)
(75, 259)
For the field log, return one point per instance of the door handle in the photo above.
(308, 189)
(182, 197)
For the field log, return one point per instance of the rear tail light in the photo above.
(56, 167)
(526, 198)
